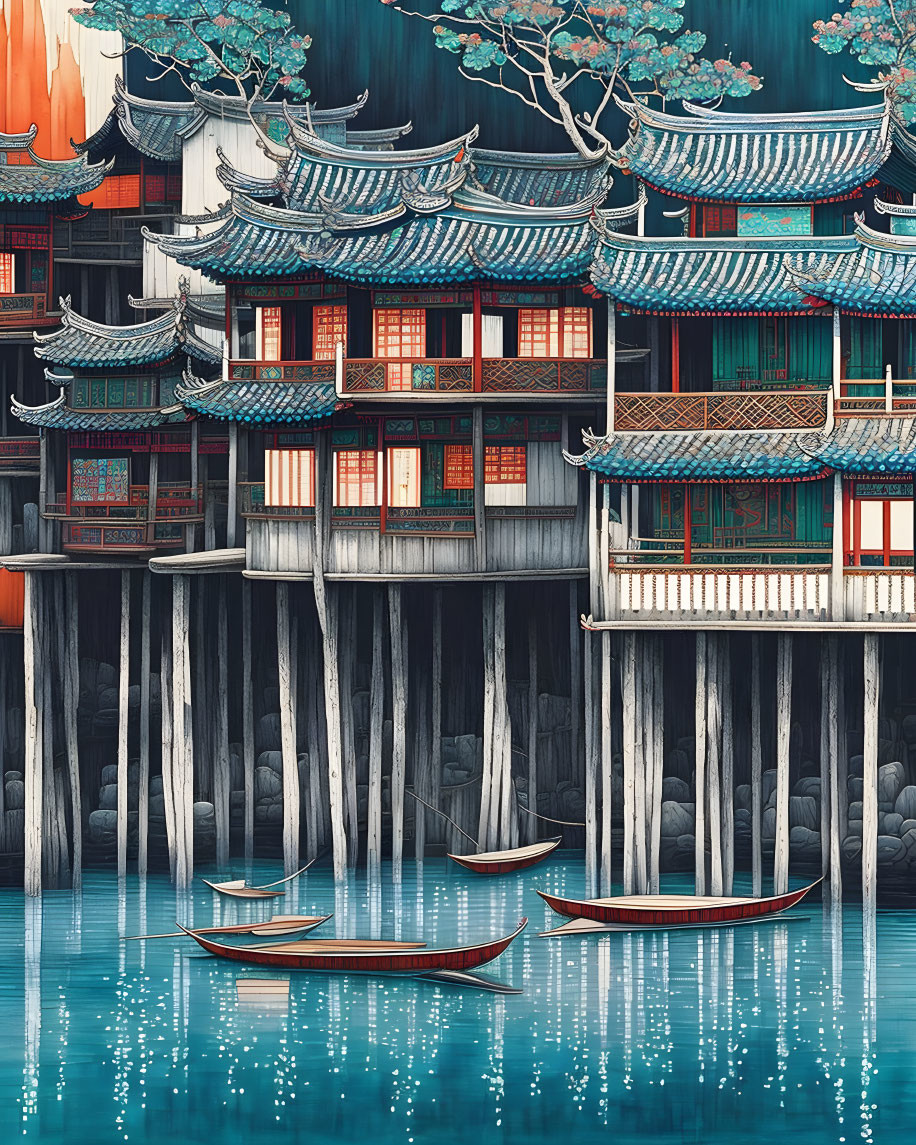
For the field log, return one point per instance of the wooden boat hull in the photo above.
(715, 912)
(377, 960)
(503, 862)
(243, 892)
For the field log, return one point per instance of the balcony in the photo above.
(876, 395)
(372, 377)
(128, 528)
(780, 409)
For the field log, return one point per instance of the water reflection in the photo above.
(679, 1036)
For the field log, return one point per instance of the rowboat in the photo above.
(276, 925)
(660, 912)
(237, 888)
(351, 956)
(501, 862)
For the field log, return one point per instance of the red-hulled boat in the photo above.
(631, 912)
(501, 862)
(353, 956)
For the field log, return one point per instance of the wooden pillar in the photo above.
(630, 700)
(607, 762)
(713, 749)
(531, 832)
(326, 605)
(376, 723)
(348, 645)
(399, 669)
(168, 795)
(287, 735)
(594, 580)
(222, 781)
(611, 363)
(675, 356)
(642, 715)
(182, 733)
(657, 761)
(837, 551)
(477, 337)
(435, 753)
(591, 773)
(833, 770)
(485, 841)
(232, 507)
(502, 724)
(123, 696)
(34, 786)
(480, 518)
(143, 777)
(783, 729)
(194, 482)
(728, 765)
(248, 721)
(872, 681)
(575, 673)
(836, 356)
(700, 767)
(71, 669)
(756, 773)
(152, 500)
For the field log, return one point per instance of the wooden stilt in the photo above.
(202, 716)
(833, 768)
(607, 763)
(502, 723)
(313, 816)
(728, 765)
(287, 736)
(123, 696)
(783, 728)
(326, 605)
(628, 689)
(183, 736)
(71, 667)
(575, 673)
(399, 668)
(657, 763)
(756, 773)
(531, 831)
(50, 857)
(872, 682)
(713, 746)
(435, 721)
(143, 777)
(590, 778)
(247, 721)
(642, 714)
(825, 755)
(421, 785)
(485, 839)
(222, 781)
(168, 748)
(348, 648)
(699, 779)
(376, 717)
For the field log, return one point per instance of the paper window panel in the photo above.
(269, 334)
(357, 483)
(404, 477)
(7, 273)
(902, 526)
(458, 467)
(504, 465)
(871, 522)
(538, 333)
(400, 333)
(289, 478)
(577, 332)
(329, 326)
(400, 375)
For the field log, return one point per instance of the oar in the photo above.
(436, 811)
(549, 819)
(288, 879)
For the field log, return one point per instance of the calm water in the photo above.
(730, 1036)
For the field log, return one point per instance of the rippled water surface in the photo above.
(736, 1035)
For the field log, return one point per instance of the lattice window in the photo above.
(458, 467)
(329, 326)
(116, 191)
(720, 220)
(400, 333)
(404, 477)
(538, 333)
(7, 273)
(289, 477)
(504, 465)
(269, 334)
(357, 481)
(576, 331)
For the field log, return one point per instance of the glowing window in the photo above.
(269, 334)
(289, 477)
(329, 326)
(356, 473)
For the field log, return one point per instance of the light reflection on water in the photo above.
(734, 1035)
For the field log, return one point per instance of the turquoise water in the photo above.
(737, 1035)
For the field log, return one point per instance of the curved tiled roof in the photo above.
(45, 180)
(872, 445)
(57, 415)
(259, 402)
(539, 180)
(727, 156)
(712, 276)
(876, 276)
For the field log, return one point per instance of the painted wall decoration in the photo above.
(100, 480)
(767, 219)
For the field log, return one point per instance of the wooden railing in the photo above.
(92, 536)
(385, 375)
(282, 371)
(174, 502)
(543, 375)
(783, 409)
(876, 395)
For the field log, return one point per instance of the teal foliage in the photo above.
(524, 44)
(242, 41)
(882, 35)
